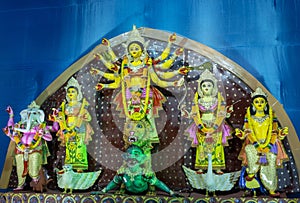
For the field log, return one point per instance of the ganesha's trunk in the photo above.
(27, 129)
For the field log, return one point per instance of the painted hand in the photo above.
(179, 51)
(172, 38)
(183, 70)
(94, 71)
(99, 86)
(98, 56)
(239, 133)
(105, 42)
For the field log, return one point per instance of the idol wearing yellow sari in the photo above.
(209, 132)
(262, 151)
(75, 130)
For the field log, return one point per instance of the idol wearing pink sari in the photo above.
(209, 132)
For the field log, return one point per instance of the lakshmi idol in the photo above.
(262, 151)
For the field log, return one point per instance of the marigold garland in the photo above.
(34, 143)
(137, 116)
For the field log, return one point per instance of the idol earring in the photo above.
(253, 108)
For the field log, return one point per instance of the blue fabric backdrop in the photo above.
(40, 39)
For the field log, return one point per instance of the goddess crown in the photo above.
(74, 83)
(207, 75)
(135, 36)
(258, 92)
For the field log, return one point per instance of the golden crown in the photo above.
(258, 92)
(207, 75)
(135, 36)
(74, 83)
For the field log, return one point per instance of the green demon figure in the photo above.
(134, 178)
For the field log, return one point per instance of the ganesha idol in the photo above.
(30, 135)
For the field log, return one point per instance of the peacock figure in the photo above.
(251, 185)
(68, 179)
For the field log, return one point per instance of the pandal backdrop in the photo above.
(173, 149)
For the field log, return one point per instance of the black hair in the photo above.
(207, 80)
(135, 42)
(266, 111)
(74, 88)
